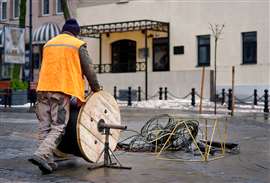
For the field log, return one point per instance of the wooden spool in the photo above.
(82, 137)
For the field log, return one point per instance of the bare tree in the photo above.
(216, 33)
(17, 67)
(65, 9)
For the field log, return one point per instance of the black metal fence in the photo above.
(162, 93)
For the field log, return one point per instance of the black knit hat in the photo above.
(71, 26)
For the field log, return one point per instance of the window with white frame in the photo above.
(59, 7)
(3, 7)
(16, 9)
(45, 7)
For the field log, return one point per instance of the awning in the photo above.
(45, 32)
(1, 37)
(134, 25)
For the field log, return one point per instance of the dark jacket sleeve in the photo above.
(88, 69)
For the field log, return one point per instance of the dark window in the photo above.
(124, 56)
(161, 54)
(46, 7)
(16, 8)
(4, 10)
(203, 50)
(249, 40)
(59, 9)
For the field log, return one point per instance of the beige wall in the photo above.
(191, 18)
(83, 3)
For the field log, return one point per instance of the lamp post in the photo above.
(30, 42)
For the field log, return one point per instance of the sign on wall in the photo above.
(14, 45)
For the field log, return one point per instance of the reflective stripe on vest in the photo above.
(64, 45)
(61, 68)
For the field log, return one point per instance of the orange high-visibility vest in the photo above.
(61, 68)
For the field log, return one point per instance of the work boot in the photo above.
(41, 163)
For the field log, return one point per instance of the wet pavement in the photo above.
(18, 139)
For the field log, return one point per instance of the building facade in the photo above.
(47, 20)
(125, 52)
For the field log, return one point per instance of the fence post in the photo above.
(166, 93)
(230, 100)
(160, 93)
(193, 97)
(266, 109)
(129, 96)
(114, 92)
(255, 100)
(223, 96)
(139, 94)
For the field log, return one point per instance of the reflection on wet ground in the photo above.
(18, 140)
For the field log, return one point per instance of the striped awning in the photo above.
(1, 37)
(45, 32)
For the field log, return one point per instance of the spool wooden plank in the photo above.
(100, 105)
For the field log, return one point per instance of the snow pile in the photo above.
(185, 104)
(181, 104)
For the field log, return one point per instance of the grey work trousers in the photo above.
(52, 111)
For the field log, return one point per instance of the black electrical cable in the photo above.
(156, 131)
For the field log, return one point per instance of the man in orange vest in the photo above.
(65, 61)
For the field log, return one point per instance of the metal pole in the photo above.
(215, 78)
(230, 100)
(146, 65)
(139, 93)
(233, 80)
(193, 97)
(30, 42)
(129, 96)
(160, 93)
(115, 92)
(100, 52)
(266, 107)
(255, 101)
(166, 93)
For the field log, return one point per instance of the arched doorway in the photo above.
(123, 56)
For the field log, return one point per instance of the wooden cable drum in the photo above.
(82, 137)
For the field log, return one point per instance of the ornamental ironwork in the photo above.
(136, 25)
(107, 68)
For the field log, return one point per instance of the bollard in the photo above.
(193, 97)
(129, 96)
(255, 100)
(114, 92)
(160, 93)
(266, 109)
(230, 100)
(139, 94)
(223, 96)
(166, 93)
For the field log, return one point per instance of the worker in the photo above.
(65, 61)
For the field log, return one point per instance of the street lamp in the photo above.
(30, 43)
